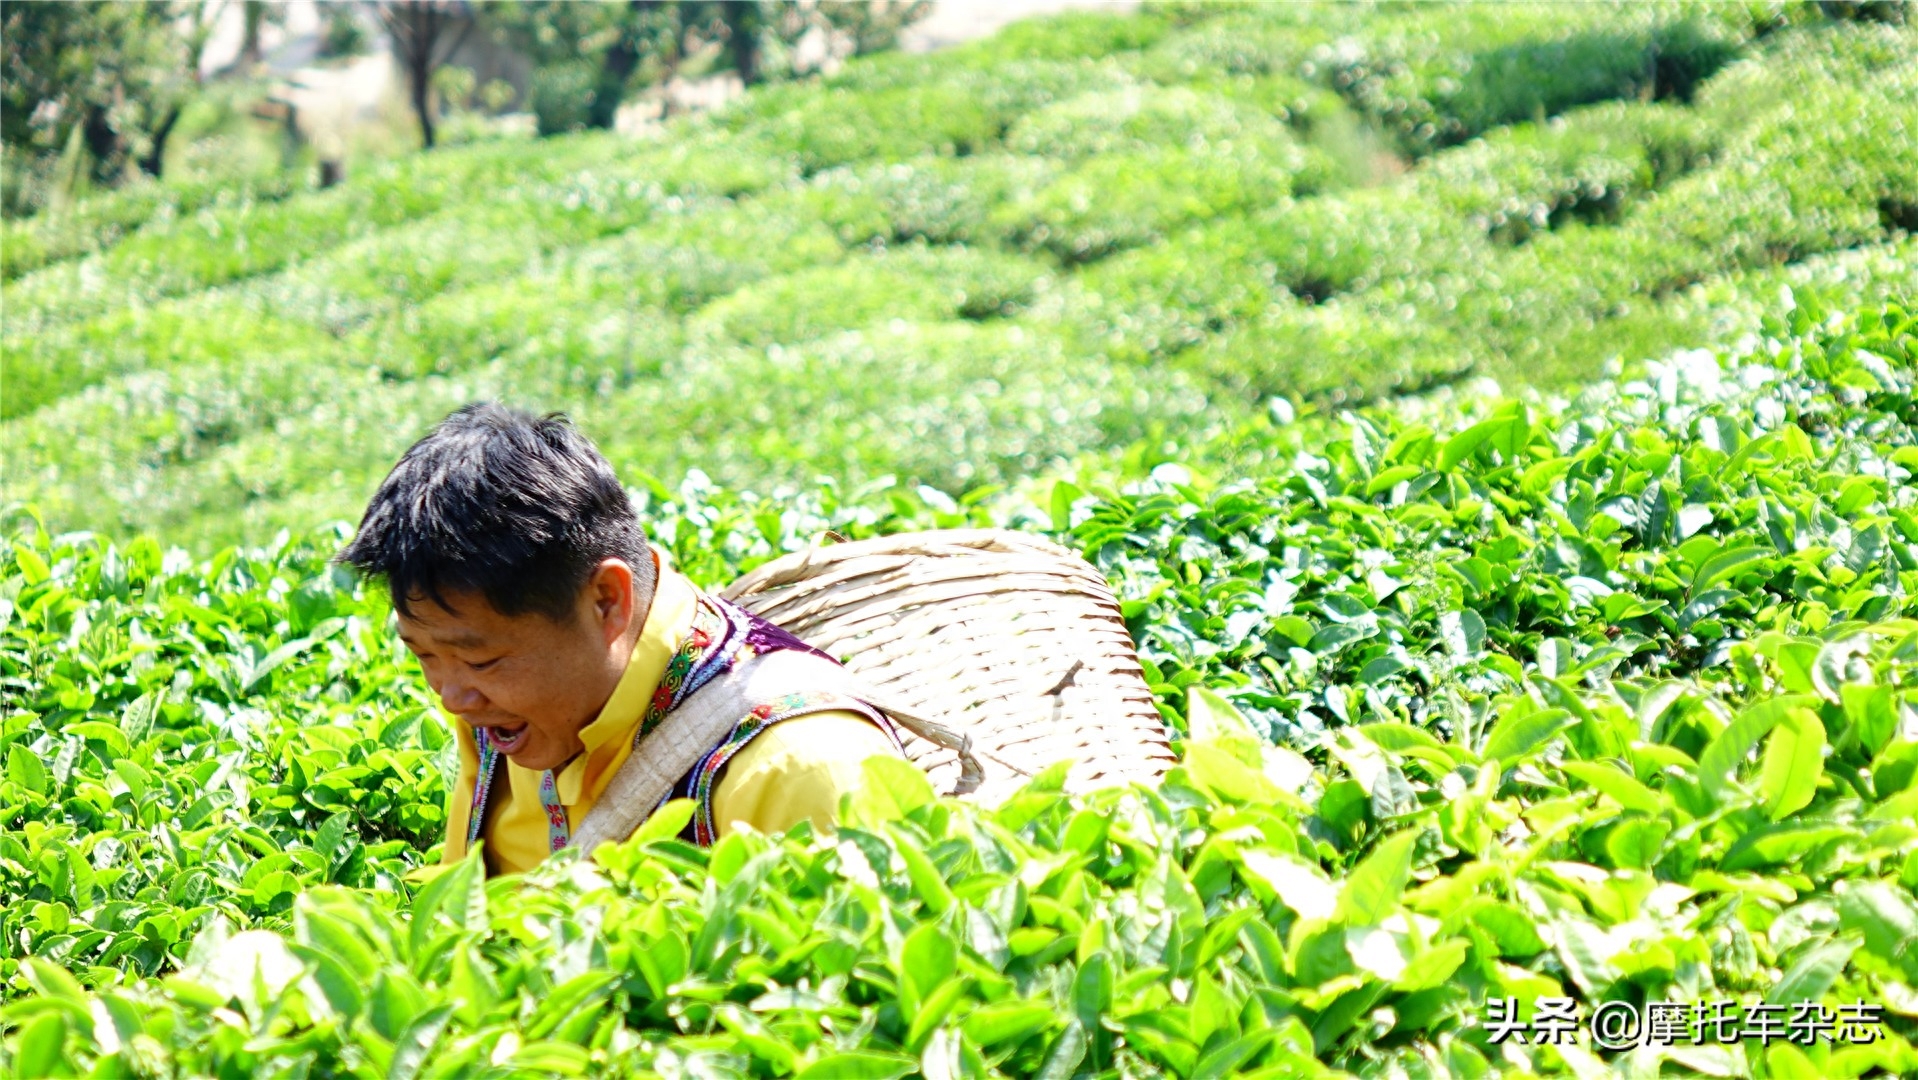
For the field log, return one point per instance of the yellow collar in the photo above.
(667, 621)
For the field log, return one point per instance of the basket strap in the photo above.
(971, 773)
(705, 719)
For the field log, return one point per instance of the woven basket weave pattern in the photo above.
(1002, 636)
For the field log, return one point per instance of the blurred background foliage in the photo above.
(1090, 233)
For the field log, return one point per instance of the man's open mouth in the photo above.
(508, 738)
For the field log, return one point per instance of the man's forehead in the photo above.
(458, 620)
(459, 639)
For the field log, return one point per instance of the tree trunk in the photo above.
(253, 15)
(103, 146)
(419, 75)
(155, 160)
(742, 30)
(415, 27)
(620, 63)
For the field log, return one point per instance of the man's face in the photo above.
(529, 681)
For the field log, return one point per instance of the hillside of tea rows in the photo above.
(1598, 689)
(1607, 700)
(963, 267)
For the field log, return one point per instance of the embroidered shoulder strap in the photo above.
(708, 728)
(700, 783)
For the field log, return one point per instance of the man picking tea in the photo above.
(589, 681)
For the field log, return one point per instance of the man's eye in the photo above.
(482, 665)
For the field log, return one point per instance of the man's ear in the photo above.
(612, 591)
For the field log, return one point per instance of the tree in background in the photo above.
(255, 17)
(99, 85)
(341, 32)
(873, 25)
(744, 21)
(424, 34)
(193, 29)
(590, 56)
(587, 55)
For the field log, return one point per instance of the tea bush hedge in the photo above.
(101, 221)
(1248, 218)
(1608, 698)
(913, 284)
(1439, 78)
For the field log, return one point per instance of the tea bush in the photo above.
(1590, 165)
(1438, 79)
(101, 221)
(204, 330)
(1609, 698)
(938, 200)
(911, 284)
(219, 244)
(1110, 202)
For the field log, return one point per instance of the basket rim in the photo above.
(795, 566)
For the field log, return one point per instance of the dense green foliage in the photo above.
(1610, 695)
(89, 93)
(1612, 698)
(964, 267)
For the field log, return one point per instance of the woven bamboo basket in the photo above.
(1003, 638)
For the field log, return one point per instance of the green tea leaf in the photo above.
(1636, 844)
(1882, 916)
(858, 1065)
(1064, 494)
(1872, 712)
(40, 1050)
(905, 786)
(1210, 716)
(1391, 478)
(927, 882)
(1065, 1053)
(1373, 890)
(1507, 433)
(927, 959)
(1793, 763)
(666, 822)
(24, 768)
(1778, 844)
(1519, 734)
(1003, 1022)
(1718, 765)
(1724, 564)
(414, 1047)
(1813, 972)
(1625, 790)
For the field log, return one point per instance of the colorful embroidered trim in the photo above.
(690, 666)
(482, 786)
(559, 831)
(763, 716)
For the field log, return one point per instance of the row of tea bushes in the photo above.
(1110, 210)
(1607, 700)
(102, 220)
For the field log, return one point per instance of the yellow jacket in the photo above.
(795, 770)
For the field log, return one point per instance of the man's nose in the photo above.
(460, 697)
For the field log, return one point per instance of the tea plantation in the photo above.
(965, 267)
(1603, 693)
(1609, 699)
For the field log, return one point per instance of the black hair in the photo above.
(517, 508)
